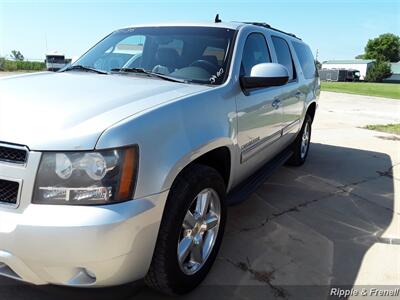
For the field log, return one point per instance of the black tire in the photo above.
(299, 157)
(165, 274)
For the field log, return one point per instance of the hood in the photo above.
(70, 110)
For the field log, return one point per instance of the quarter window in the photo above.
(284, 56)
(255, 52)
(306, 59)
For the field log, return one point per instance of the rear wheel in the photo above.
(190, 232)
(301, 144)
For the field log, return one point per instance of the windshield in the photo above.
(198, 54)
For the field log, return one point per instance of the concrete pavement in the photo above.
(333, 221)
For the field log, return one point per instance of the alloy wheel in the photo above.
(305, 141)
(199, 231)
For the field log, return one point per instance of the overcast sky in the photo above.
(338, 29)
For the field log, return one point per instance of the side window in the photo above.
(175, 44)
(255, 52)
(284, 56)
(122, 53)
(306, 59)
(131, 45)
(214, 54)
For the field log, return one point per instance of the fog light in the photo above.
(82, 277)
(90, 274)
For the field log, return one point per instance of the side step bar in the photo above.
(251, 184)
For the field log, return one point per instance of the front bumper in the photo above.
(80, 246)
(75, 245)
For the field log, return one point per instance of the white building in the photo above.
(361, 65)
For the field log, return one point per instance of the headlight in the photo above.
(86, 178)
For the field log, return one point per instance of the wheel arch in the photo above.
(311, 109)
(218, 154)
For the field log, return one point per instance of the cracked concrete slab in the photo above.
(372, 190)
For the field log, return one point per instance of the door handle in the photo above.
(276, 103)
(298, 94)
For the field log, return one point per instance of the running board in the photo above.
(251, 184)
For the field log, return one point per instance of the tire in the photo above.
(299, 152)
(166, 274)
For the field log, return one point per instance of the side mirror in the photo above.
(265, 75)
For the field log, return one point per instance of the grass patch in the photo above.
(389, 128)
(387, 90)
(12, 66)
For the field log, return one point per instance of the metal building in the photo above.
(361, 65)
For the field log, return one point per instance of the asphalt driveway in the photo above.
(333, 221)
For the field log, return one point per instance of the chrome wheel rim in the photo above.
(305, 141)
(199, 231)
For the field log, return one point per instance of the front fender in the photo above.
(173, 135)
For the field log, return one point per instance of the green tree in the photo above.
(385, 47)
(360, 56)
(2, 63)
(379, 71)
(17, 55)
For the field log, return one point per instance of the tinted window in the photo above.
(306, 59)
(283, 54)
(255, 52)
(175, 44)
(118, 55)
(213, 53)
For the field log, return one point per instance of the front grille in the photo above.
(12, 155)
(8, 191)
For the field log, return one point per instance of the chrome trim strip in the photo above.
(16, 204)
(286, 129)
(253, 149)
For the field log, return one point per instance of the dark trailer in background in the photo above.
(55, 61)
(339, 75)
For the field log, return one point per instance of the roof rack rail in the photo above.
(272, 28)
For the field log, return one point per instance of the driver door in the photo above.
(259, 111)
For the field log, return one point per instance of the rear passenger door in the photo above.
(259, 118)
(291, 98)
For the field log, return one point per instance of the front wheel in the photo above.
(301, 144)
(190, 233)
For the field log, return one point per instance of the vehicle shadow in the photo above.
(14, 290)
(304, 230)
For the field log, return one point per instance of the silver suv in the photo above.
(121, 165)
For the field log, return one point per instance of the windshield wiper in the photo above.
(130, 70)
(149, 73)
(84, 68)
